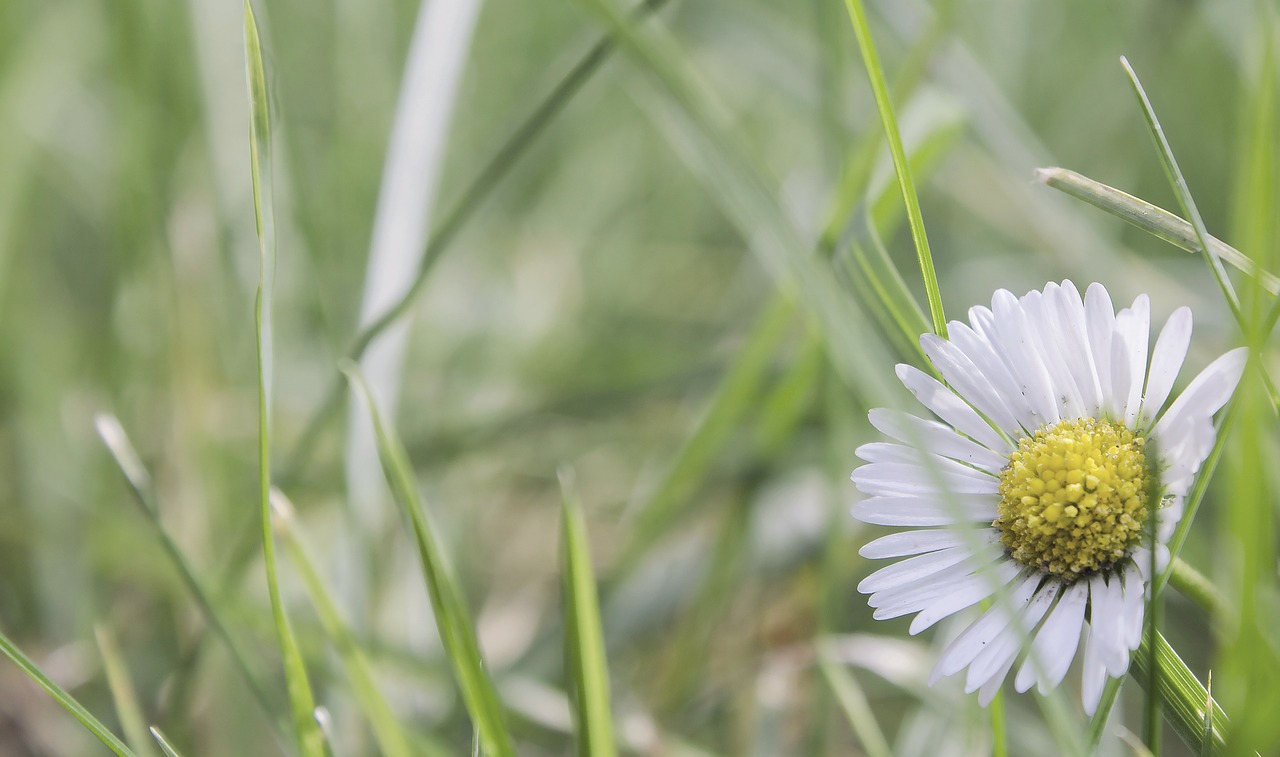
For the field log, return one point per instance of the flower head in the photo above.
(1057, 457)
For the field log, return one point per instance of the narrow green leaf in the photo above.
(37, 676)
(853, 702)
(163, 741)
(124, 694)
(453, 619)
(584, 639)
(1182, 191)
(471, 199)
(1098, 723)
(1152, 219)
(858, 16)
(310, 738)
(387, 730)
(687, 113)
(1197, 587)
(136, 476)
(1206, 735)
(1185, 697)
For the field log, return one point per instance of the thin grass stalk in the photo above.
(585, 655)
(302, 701)
(887, 117)
(453, 619)
(472, 197)
(68, 702)
(392, 739)
(1152, 219)
(1182, 191)
(165, 744)
(140, 484)
(128, 710)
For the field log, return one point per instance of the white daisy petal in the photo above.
(1075, 330)
(936, 438)
(1006, 644)
(1205, 395)
(1094, 673)
(927, 591)
(989, 689)
(968, 381)
(950, 408)
(967, 593)
(903, 599)
(979, 635)
(906, 543)
(996, 371)
(913, 569)
(1121, 379)
(1134, 607)
(1018, 347)
(885, 452)
(904, 479)
(917, 511)
(917, 594)
(1100, 321)
(1166, 361)
(1133, 325)
(1106, 599)
(1050, 345)
(1055, 643)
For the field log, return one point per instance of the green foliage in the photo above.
(681, 249)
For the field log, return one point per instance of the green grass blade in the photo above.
(687, 113)
(737, 394)
(472, 198)
(858, 16)
(453, 619)
(1184, 696)
(163, 741)
(584, 652)
(1197, 587)
(1183, 192)
(1206, 735)
(38, 677)
(124, 694)
(853, 703)
(392, 739)
(139, 480)
(1152, 219)
(302, 702)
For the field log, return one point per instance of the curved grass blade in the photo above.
(163, 741)
(390, 734)
(1182, 191)
(38, 677)
(122, 691)
(853, 702)
(1186, 699)
(492, 174)
(302, 702)
(1152, 219)
(122, 451)
(584, 650)
(453, 619)
(858, 16)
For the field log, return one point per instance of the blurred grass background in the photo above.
(600, 309)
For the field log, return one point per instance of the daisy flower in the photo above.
(1057, 451)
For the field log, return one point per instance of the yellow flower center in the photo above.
(1074, 497)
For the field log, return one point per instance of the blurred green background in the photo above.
(601, 309)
